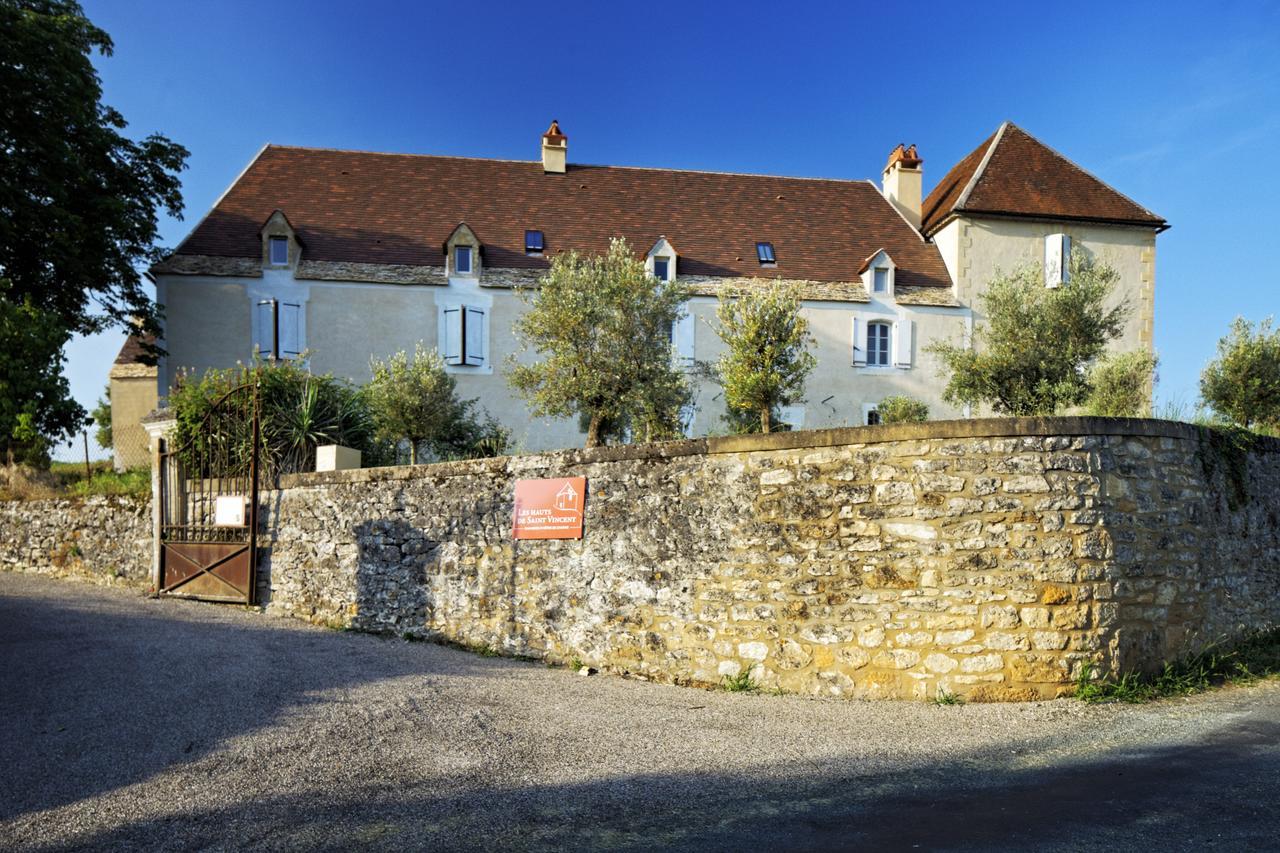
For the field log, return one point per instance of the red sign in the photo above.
(549, 509)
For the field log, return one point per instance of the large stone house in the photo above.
(344, 255)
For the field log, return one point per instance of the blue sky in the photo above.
(1175, 104)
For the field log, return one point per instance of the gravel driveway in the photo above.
(129, 723)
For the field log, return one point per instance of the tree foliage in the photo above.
(79, 199)
(415, 400)
(101, 415)
(35, 398)
(900, 409)
(766, 358)
(1243, 382)
(1120, 385)
(601, 329)
(78, 211)
(1033, 354)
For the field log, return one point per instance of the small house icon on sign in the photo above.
(567, 497)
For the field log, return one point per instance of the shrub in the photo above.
(299, 411)
(1243, 382)
(902, 410)
(1120, 385)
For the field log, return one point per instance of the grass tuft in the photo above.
(740, 683)
(946, 697)
(1247, 660)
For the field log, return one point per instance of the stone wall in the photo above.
(104, 539)
(993, 558)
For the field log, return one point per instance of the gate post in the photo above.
(158, 425)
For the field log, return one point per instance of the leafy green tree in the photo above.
(416, 400)
(35, 398)
(899, 409)
(1033, 354)
(1243, 382)
(601, 326)
(1120, 385)
(78, 202)
(101, 415)
(766, 360)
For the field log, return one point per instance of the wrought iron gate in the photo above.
(209, 504)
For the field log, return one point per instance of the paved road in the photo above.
(127, 723)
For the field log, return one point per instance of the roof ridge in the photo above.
(982, 166)
(580, 165)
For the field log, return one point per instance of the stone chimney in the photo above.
(902, 182)
(555, 147)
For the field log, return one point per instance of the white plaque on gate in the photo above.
(229, 511)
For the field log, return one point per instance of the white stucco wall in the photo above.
(983, 248)
(346, 323)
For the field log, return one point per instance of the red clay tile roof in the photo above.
(1014, 174)
(137, 350)
(400, 209)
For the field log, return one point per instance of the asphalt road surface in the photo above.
(127, 723)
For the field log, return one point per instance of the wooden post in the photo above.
(88, 472)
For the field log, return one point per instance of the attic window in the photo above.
(764, 251)
(662, 269)
(880, 280)
(533, 242)
(462, 260)
(279, 251)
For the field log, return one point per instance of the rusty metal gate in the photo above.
(209, 504)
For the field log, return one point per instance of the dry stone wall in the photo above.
(990, 558)
(104, 539)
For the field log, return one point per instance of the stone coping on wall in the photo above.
(800, 439)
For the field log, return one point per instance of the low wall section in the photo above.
(993, 558)
(104, 539)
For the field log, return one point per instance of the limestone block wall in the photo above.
(104, 539)
(993, 558)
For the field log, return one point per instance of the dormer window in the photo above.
(880, 280)
(533, 242)
(764, 252)
(279, 251)
(662, 269)
(462, 260)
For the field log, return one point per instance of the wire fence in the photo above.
(130, 448)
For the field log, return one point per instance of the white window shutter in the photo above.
(290, 330)
(474, 342)
(682, 339)
(859, 342)
(902, 340)
(453, 335)
(1057, 260)
(262, 328)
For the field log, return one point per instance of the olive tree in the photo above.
(600, 327)
(766, 358)
(1243, 382)
(1120, 385)
(900, 409)
(1033, 354)
(415, 400)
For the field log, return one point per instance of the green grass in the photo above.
(1250, 659)
(740, 683)
(945, 697)
(136, 482)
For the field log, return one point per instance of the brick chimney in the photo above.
(555, 147)
(902, 182)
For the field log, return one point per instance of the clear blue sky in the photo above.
(1175, 104)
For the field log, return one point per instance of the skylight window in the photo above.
(764, 251)
(533, 242)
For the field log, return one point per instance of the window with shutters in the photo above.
(878, 335)
(682, 340)
(464, 342)
(1057, 260)
(278, 329)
